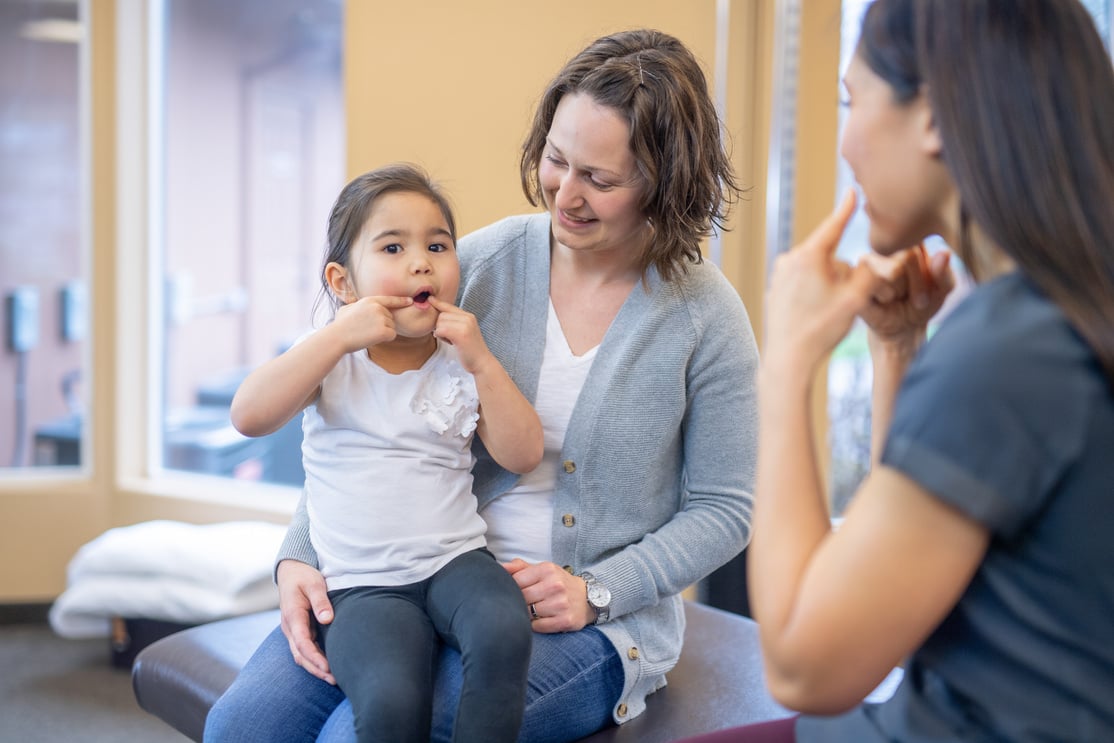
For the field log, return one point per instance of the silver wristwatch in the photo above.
(599, 598)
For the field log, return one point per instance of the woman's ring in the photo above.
(533, 613)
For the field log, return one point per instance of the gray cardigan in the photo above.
(659, 457)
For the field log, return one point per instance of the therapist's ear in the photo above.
(931, 142)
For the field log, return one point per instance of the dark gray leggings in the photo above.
(383, 642)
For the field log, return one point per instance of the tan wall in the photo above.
(449, 84)
(458, 95)
(817, 127)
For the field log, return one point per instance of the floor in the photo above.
(55, 689)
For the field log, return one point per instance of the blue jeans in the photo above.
(574, 682)
(383, 642)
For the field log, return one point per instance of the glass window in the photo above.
(43, 234)
(849, 373)
(248, 119)
(1103, 12)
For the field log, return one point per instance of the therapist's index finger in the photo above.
(826, 236)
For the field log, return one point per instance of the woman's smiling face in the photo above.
(590, 179)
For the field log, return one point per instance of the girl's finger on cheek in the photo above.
(390, 303)
(440, 304)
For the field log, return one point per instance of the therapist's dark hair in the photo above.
(1022, 92)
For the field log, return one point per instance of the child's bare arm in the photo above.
(508, 425)
(279, 389)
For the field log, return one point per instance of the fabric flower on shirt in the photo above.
(448, 402)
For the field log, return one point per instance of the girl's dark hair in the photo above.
(355, 202)
(1022, 92)
(657, 86)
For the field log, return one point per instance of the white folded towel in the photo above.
(168, 570)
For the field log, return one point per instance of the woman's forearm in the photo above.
(297, 545)
(791, 515)
(890, 360)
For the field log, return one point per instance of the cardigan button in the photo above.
(633, 653)
(570, 466)
(621, 710)
(568, 519)
(567, 569)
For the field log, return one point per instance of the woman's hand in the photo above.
(910, 289)
(302, 590)
(560, 599)
(813, 297)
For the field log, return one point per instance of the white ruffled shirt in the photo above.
(389, 470)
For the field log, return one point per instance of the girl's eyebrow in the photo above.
(398, 232)
(389, 233)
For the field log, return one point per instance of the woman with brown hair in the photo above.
(640, 361)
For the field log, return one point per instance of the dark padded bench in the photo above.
(718, 682)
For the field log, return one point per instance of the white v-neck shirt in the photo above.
(520, 521)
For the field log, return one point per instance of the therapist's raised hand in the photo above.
(911, 287)
(813, 296)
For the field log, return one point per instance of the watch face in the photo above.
(598, 595)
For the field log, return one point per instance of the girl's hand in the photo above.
(459, 328)
(912, 287)
(559, 599)
(813, 297)
(368, 321)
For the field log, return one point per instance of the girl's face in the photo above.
(894, 151)
(405, 249)
(590, 179)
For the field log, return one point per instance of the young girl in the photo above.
(393, 390)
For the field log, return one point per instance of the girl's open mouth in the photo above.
(421, 297)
